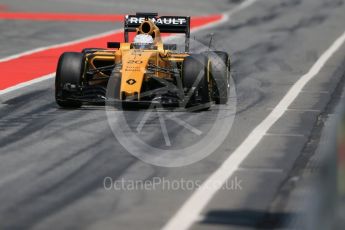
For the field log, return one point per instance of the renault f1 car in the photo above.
(127, 72)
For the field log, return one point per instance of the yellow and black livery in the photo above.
(156, 73)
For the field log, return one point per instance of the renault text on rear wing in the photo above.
(166, 24)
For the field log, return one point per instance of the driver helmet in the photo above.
(142, 41)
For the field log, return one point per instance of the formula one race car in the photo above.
(145, 70)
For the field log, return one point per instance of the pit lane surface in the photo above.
(53, 161)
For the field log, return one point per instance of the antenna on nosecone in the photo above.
(211, 40)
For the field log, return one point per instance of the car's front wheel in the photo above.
(220, 75)
(68, 79)
(195, 79)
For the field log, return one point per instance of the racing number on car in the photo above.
(138, 62)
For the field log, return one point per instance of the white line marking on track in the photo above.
(15, 56)
(27, 83)
(51, 75)
(189, 213)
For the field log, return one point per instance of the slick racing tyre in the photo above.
(220, 72)
(68, 79)
(195, 79)
(115, 86)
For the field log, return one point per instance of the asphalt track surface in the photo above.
(53, 161)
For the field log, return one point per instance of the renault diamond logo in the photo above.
(131, 81)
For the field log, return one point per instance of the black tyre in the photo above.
(68, 79)
(195, 79)
(220, 72)
(114, 86)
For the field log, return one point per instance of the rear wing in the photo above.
(166, 24)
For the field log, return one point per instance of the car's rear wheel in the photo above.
(195, 79)
(220, 75)
(68, 79)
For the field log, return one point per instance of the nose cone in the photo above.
(134, 64)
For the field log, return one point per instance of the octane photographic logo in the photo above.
(172, 136)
